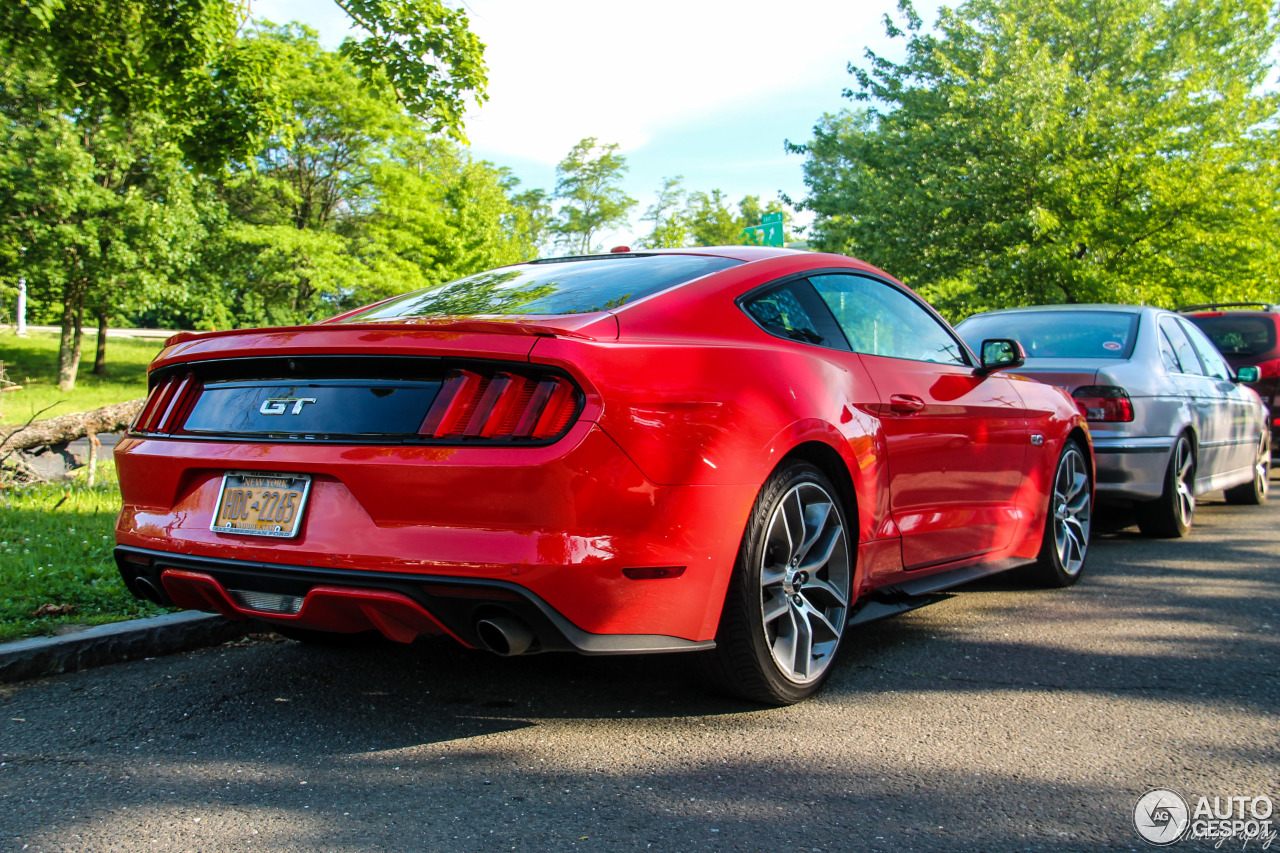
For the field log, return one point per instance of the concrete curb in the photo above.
(119, 641)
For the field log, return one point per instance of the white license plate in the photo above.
(257, 503)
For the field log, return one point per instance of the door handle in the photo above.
(905, 404)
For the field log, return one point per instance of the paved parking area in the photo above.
(1002, 719)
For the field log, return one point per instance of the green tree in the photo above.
(352, 200)
(441, 216)
(713, 219)
(426, 51)
(534, 217)
(294, 214)
(95, 214)
(183, 58)
(1061, 151)
(669, 217)
(588, 182)
(125, 106)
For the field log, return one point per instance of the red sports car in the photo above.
(737, 451)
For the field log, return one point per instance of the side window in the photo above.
(792, 311)
(1209, 355)
(1187, 361)
(1167, 354)
(879, 319)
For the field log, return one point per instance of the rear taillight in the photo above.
(168, 404)
(1269, 369)
(501, 405)
(1108, 403)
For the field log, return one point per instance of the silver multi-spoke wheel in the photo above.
(1262, 472)
(1184, 467)
(1072, 510)
(790, 593)
(1171, 514)
(1065, 543)
(805, 577)
(1255, 491)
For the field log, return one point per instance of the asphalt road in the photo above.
(1002, 719)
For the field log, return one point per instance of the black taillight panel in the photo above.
(371, 399)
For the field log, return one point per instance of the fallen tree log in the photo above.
(65, 428)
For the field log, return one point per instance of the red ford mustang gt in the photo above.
(738, 451)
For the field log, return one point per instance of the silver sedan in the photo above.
(1169, 418)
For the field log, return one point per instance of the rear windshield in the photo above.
(1057, 334)
(550, 287)
(1236, 335)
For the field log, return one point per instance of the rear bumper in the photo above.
(554, 525)
(1131, 468)
(401, 607)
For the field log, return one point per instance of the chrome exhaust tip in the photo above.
(148, 590)
(505, 635)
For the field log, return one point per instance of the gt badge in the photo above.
(278, 405)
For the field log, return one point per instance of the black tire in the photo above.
(1254, 493)
(330, 639)
(1068, 523)
(1170, 516)
(788, 600)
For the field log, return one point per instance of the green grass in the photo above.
(55, 549)
(32, 362)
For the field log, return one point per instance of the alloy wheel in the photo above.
(1072, 511)
(1184, 479)
(805, 577)
(1262, 469)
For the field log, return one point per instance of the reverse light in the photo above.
(501, 405)
(1104, 403)
(168, 404)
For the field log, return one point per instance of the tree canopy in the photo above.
(134, 127)
(588, 182)
(1036, 151)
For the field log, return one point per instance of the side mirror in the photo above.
(1248, 374)
(1001, 354)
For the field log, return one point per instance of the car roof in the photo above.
(1230, 308)
(736, 253)
(1092, 306)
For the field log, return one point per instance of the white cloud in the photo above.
(560, 70)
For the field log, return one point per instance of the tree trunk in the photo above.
(69, 343)
(64, 428)
(77, 345)
(100, 357)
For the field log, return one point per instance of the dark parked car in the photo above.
(1248, 335)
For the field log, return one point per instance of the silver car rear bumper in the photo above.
(1131, 468)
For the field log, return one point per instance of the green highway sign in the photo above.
(768, 233)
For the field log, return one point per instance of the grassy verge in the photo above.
(55, 555)
(32, 362)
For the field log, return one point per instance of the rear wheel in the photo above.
(1255, 491)
(1066, 530)
(1170, 515)
(789, 596)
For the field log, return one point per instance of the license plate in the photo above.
(261, 504)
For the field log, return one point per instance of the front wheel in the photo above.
(1066, 529)
(1254, 493)
(789, 596)
(1170, 515)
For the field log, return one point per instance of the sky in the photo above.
(706, 90)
